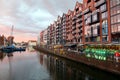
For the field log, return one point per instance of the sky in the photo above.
(29, 17)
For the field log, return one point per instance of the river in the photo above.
(38, 66)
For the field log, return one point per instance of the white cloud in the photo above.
(32, 15)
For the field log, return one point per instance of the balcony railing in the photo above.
(74, 32)
(79, 20)
(74, 22)
(74, 27)
(74, 18)
(86, 11)
(100, 2)
(79, 15)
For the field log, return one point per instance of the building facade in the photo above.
(115, 20)
(96, 21)
(69, 23)
(77, 24)
(63, 30)
(91, 22)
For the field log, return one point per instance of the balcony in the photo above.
(74, 32)
(74, 22)
(79, 15)
(74, 27)
(74, 18)
(86, 11)
(99, 3)
(79, 20)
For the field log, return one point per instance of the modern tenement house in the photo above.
(91, 22)
(97, 21)
(69, 26)
(63, 30)
(58, 31)
(115, 20)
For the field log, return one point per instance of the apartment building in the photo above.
(69, 35)
(115, 20)
(77, 24)
(63, 30)
(96, 21)
(91, 22)
(58, 31)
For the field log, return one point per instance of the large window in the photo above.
(105, 27)
(115, 19)
(115, 28)
(103, 8)
(95, 17)
(114, 2)
(96, 30)
(115, 10)
(104, 15)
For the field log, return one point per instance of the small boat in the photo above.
(12, 48)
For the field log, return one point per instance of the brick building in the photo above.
(96, 21)
(115, 20)
(69, 26)
(77, 24)
(91, 22)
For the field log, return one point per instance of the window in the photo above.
(105, 28)
(104, 39)
(103, 8)
(118, 16)
(95, 17)
(104, 15)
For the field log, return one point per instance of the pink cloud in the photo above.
(19, 35)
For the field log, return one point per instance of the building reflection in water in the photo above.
(67, 70)
(2, 55)
(10, 58)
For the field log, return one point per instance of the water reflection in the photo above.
(2, 55)
(60, 69)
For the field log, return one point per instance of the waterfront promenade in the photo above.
(109, 66)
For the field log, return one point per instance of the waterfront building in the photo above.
(115, 20)
(58, 31)
(3, 41)
(77, 24)
(69, 26)
(48, 35)
(91, 22)
(63, 30)
(54, 32)
(96, 21)
(10, 40)
(45, 36)
(41, 37)
(31, 44)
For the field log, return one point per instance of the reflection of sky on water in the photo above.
(22, 66)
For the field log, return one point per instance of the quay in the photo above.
(108, 66)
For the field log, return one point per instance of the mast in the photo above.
(12, 30)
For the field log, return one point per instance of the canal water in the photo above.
(38, 66)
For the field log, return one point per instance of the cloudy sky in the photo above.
(29, 17)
